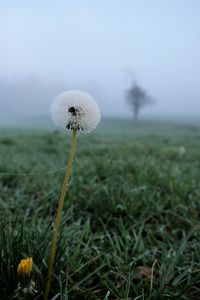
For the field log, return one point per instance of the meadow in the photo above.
(131, 221)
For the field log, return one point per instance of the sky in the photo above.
(93, 45)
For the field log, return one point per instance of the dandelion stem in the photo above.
(59, 213)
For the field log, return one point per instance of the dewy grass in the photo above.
(134, 202)
(73, 110)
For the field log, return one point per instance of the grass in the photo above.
(133, 203)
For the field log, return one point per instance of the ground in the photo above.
(131, 220)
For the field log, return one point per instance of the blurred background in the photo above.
(102, 47)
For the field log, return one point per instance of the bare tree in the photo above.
(137, 97)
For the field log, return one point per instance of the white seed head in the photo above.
(182, 150)
(75, 110)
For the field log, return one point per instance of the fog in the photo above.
(47, 47)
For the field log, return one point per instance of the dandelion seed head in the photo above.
(182, 150)
(75, 110)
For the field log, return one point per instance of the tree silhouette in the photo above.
(137, 97)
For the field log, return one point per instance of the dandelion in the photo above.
(182, 150)
(76, 111)
(25, 268)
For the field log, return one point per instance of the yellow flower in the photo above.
(25, 267)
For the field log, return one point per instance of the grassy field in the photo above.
(131, 221)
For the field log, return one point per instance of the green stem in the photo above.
(59, 213)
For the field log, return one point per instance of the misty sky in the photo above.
(91, 44)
